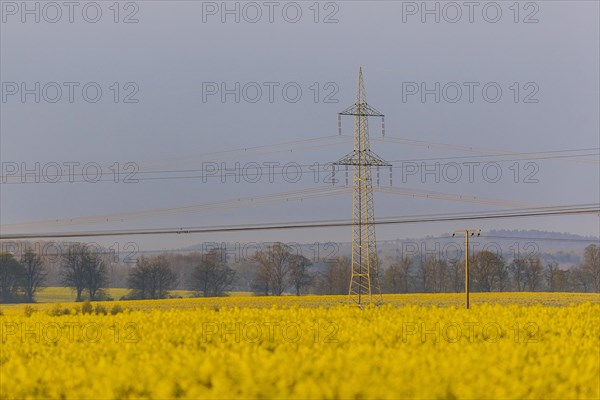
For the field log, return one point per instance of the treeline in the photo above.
(278, 270)
(489, 272)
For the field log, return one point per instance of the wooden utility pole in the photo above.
(467, 232)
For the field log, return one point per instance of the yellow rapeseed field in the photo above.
(425, 347)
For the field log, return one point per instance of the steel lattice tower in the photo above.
(364, 282)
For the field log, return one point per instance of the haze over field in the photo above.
(175, 58)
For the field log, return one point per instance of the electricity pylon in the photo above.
(364, 282)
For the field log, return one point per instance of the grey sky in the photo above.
(171, 52)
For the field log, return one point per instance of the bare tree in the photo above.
(488, 269)
(563, 281)
(580, 279)
(11, 277)
(441, 276)
(502, 275)
(433, 274)
(300, 275)
(138, 280)
(533, 273)
(456, 275)
(591, 266)
(34, 273)
(262, 278)
(245, 275)
(151, 278)
(96, 274)
(73, 269)
(164, 279)
(274, 267)
(203, 274)
(336, 277)
(82, 270)
(281, 257)
(396, 276)
(551, 276)
(557, 280)
(212, 276)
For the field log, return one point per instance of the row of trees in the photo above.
(86, 272)
(490, 272)
(278, 269)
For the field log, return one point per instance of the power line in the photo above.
(299, 195)
(429, 144)
(486, 236)
(541, 238)
(315, 168)
(430, 194)
(544, 211)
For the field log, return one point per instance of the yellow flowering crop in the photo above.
(250, 348)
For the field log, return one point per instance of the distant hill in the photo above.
(564, 248)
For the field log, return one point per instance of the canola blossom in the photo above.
(295, 348)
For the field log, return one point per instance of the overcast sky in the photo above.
(507, 79)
